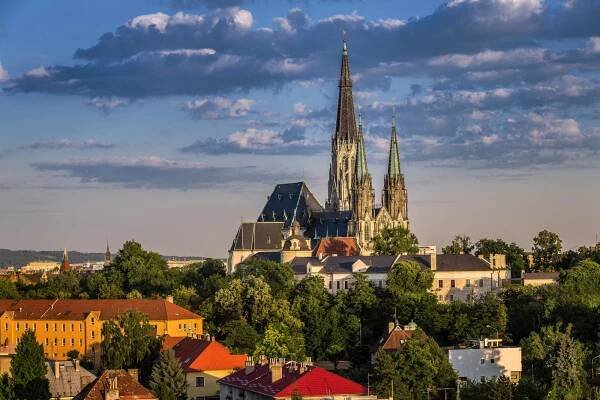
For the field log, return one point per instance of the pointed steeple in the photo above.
(361, 170)
(345, 127)
(394, 158)
(65, 265)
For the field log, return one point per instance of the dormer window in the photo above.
(278, 197)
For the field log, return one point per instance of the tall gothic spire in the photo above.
(394, 159)
(65, 265)
(361, 170)
(345, 127)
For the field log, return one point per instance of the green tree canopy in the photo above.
(278, 276)
(28, 369)
(580, 284)
(167, 378)
(408, 278)
(461, 244)
(546, 250)
(394, 241)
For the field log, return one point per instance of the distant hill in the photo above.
(19, 258)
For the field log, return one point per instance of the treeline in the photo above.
(261, 309)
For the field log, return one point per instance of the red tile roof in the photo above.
(312, 382)
(198, 355)
(129, 387)
(393, 340)
(79, 309)
(342, 246)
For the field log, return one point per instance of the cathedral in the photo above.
(351, 211)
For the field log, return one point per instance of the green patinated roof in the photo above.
(394, 160)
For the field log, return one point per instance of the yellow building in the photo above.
(65, 325)
(40, 266)
(204, 362)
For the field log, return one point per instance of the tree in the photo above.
(407, 278)
(28, 369)
(419, 367)
(546, 251)
(6, 388)
(555, 360)
(279, 277)
(580, 284)
(8, 290)
(73, 354)
(127, 341)
(241, 337)
(461, 244)
(273, 344)
(394, 241)
(492, 389)
(167, 378)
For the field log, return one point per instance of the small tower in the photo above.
(107, 256)
(65, 265)
(363, 196)
(394, 197)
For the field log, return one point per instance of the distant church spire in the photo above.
(65, 265)
(107, 256)
(361, 169)
(394, 191)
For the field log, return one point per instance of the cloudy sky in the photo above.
(169, 121)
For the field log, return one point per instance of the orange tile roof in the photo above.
(129, 387)
(158, 309)
(342, 246)
(202, 355)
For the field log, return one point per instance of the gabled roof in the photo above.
(72, 378)
(343, 264)
(394, 340)
(198, 355)
(158, 309)
(312, 382)
(289, 202)
(258, 236)
(541, 275)
(129, 388)
(342, 246)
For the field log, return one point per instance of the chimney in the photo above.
(276, 370)
(76, 362)
(169, 299)
(134, 374)
(433, 261)
(391, 326)
(112, 393)
(249, 365)
(56, 369)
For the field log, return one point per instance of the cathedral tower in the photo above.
(394, 191)
(363, 196)
(343, 143)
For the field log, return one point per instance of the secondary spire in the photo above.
(394, 158)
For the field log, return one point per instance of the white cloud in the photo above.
(107, 104)
(157, 20)
(593, 45)
(219, 107)
(40, 72)
(3, 74)
(300, 108)
(256, 139)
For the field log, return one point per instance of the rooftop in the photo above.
(158, 309)
(127, 385)
(198, 355)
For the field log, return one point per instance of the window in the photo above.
(26, 326)
(17, 327)
(64, 342)
(80, 327)
(55, 327)
(481, 282)
(47, 342)
(338, 284)
(492, 360)
(93, 334)
(72, 327)
(72, 342)
(56, 341)
(199, 381)
(330, 284)
(46, 327)
(64, 327)
(440, 283)
(6, 326)
(451, 297)
(380, 283)
(81, 342)
(468, 283)
(482, 361)
(93, 321)
(452, 283)
(345, 284)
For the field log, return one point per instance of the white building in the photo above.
(487, 360)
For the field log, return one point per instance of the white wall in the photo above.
(468, 362)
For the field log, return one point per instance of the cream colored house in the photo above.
(540, 278)
(486, 360)
(204, 362)
(460, 277)
(39, 266)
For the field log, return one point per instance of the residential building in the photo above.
(204, 362)
(64, 325)
(278, 379)
(67, 379)
(182, 263)
(394, 338)
(540, 278)
(116, 385)
(486, 360)
(460, 277)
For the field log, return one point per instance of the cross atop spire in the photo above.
(394, 159)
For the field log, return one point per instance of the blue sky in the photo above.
(169, 121)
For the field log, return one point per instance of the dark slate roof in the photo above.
(328, 224)
(343, 264)
(290, 200)
(266, 255)
(461, 262)
(258, 236)
(301, 242)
